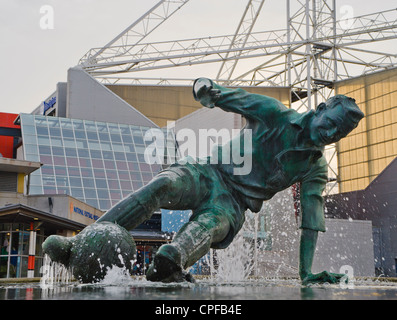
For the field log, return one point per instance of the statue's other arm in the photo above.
(239, 101)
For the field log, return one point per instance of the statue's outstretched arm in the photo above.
(239, 101)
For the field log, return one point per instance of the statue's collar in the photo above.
(303, 119)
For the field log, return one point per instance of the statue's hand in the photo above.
(324, 277)
(204, 92)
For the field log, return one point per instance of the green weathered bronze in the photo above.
(287, 148)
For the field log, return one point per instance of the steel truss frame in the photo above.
(309, 56)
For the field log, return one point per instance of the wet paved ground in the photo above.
(201, 290)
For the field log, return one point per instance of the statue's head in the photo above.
(334, 120)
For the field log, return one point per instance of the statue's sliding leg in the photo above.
(192, 242)
(138, 207)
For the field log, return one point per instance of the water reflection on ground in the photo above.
(201, 290)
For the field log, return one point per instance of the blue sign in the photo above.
(49, 104)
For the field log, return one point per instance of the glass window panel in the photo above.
(111, 174)
(83, 153)
(49, 190)
(104, 204)
(118, 147)
(103, 193)
(137, 184)
(141, 157)
(101, 183)
(55, 141)
(62, 181)
(94, 145)
(86, 172)
(60, 171)
(101, 127)
(88, 183)
(109, 164)
(35, 180)
(28, 129)
(69, 143)
(106, 146)
(81, 144)
(90, 125)
(75, 182)
(147, 176)
(85, 163)
(129, 148)
(98, 173)
(49, 181)
(92, 135)
(126, 185)
(63, 190)
(115, 195)
(136, 176)
(144, 167)
(53, 122)
(138, 140)
(31, 148)
(77, 193)
(35, 190)
(70, 152)
(107, 155)
(131, 157)
(42, 131)
(58, 151)
(113, 184)
(121, 165)
(133, 166)
(46, 159)
(124, 129)
(103, 136)
(92, 202)
(80, 134)
(48, 170)
(113, 128)
(127, 138)
(119, 156)
(67, 133)
(29, 139)
(66, 123)
(124, 175)
(90, 193)
(55, 132)
(59, 161)
(43, 140)
(78, 124)
(115, 137)
(97, 163)
(72, 162)
(44, 150)
(96, 154)
(74, 172)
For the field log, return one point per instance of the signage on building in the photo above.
(83, 213)
(49, 104)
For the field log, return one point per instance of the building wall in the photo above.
(87, 99)
(365, 152)
(7, 142)
(169, 103)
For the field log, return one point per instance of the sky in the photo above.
(35, 55)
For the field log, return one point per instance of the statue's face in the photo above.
(328, 125)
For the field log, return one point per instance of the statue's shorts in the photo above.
(205, 191)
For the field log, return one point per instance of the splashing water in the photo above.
(54, 273)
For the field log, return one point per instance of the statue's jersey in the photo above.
(281, 152)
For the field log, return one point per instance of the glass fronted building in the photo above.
(96, 162)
